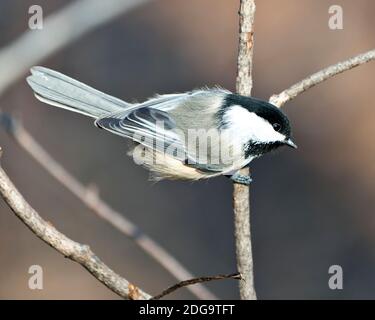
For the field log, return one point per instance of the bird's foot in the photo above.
(241, 179)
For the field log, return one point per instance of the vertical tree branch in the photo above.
(241, 193)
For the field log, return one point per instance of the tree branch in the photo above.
(70, 249)
(195, 281)
(81, 253)
(241, 193)
(320, 76)
(59, 30)
(91, 199)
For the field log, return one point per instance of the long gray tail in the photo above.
(61, 91)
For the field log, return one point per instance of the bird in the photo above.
(199, 134)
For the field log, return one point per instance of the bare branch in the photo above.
(73, 250)
(195, 281)
(92, 200)
(59, 30)
(241, 193)
(320, 76)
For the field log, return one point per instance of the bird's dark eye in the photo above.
(277, 126)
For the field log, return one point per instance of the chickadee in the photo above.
(167, 129)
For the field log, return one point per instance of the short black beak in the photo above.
(290, 143)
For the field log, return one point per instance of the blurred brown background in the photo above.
(311, 208)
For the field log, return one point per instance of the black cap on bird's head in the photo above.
(267, 124)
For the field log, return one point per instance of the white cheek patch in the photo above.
(249, 126)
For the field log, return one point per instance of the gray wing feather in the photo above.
(151, 127)
(165, 121)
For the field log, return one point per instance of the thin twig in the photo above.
(73, 250)
(241, 193)
(91, 199)
(195, 281)
(320, 76)
(59, 30)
